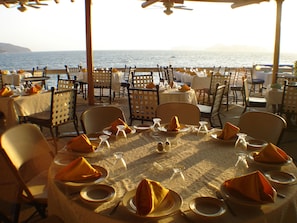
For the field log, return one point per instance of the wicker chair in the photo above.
(210, 112)
(62, 111)
(102, 80)
(289, 104)
(64, 84)
(143, 103)
(140, 81)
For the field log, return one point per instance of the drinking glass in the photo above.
(177, 176)
(241, 164)
(203, 127)
(104, 141)
(121, 131)
(119, 165)
(157, 123)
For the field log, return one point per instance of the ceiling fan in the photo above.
(168, 4)
(23, 4)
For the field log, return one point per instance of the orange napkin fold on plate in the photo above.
(173, 124)
(6, 92)
(253, 186)
(117, 122)
(80, 143)
(271, 154)
(78, 170)
(229, 131)
(185, 87)
(149, 195)
(34, 89)
(150, 85)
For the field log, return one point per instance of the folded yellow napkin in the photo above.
(185, 87)
(271, 154)
(253, 186)
(80, 143)
(173, 124)
(150, 85)
(6, 92)
(229, 131)
(119, 121)
(149, 195)
(78, 170)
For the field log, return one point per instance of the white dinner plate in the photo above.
(97, 193)
(170, 204)
(280, 177)
(87, 182)
(84, 154)
(240, 199)
(142, 127)
(214, 135)
(207, 206)
(183, 128)
(109, 133)
(250, 159)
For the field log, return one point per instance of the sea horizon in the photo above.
(140, 58)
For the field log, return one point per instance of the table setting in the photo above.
(155, 176)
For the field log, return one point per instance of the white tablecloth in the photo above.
(266, 76)
(15, 106)
(207, 162)
(273, 99)
(174, 95)
(14, 79)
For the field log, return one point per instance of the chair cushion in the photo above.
(204, 108)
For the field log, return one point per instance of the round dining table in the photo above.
(205, 161)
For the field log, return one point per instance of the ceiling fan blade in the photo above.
(148, 3)
(241, 3)
(182, 7)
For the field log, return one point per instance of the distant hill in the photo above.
(9, 48)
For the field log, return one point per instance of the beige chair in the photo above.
(25, 157)
(62, 111)
(251, 102)
(210, 112)
(64, 84)
(95, 119)
(262, 125)
(143, 103)
(102, 80)
(186, 113)
(127, 78)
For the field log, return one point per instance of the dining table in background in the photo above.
(174, 95)
(273, 99)
(206, 162)
(22, 105)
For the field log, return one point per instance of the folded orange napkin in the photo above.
(253, 186)
(34, 89)
(149, 195)
(173, 124)
(80, 143)
(78, 170)
(229, 131)
(6, 92)
(185, 87)
(150, 85)
(271, 154)
(117, 122)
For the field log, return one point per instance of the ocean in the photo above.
(138, 58)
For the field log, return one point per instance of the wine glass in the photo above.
(203, 127)
(241, 164)
(121, 131)
(177, 178)
(119, 165)
(157, 123)
(104, 141)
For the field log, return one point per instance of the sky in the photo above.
(125, 25)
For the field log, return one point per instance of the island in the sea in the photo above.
(10, 48)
